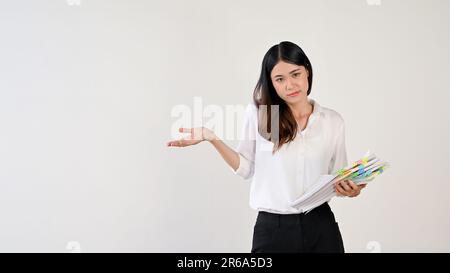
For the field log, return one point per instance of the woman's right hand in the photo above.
(196, 135)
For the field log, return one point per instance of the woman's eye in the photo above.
(279, 79)
(296, 74)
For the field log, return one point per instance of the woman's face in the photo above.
(290, 82)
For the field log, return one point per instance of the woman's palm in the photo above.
(195, 136)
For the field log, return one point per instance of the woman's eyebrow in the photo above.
(289, 72)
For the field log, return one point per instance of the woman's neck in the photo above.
(302, 109)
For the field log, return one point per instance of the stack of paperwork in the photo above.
(360, 172)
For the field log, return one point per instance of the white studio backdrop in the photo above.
(87, 90)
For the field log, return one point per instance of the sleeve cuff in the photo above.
(244, 167)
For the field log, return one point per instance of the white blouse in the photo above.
(281, 178)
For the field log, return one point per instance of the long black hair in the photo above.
(265, 94)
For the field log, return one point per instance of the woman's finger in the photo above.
(352, 185)
(177, 143)
(336, 189)
(345, 185)
(353, 188)
(173, 143)
(185, 130)
(339, 189)
(355, 193)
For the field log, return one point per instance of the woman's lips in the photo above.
(293, 94)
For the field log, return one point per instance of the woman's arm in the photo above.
(229, 155)
(200, 134)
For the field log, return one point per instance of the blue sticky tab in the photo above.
(361, 169)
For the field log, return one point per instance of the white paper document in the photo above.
(321, 191)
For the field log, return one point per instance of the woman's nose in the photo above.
(289, 85)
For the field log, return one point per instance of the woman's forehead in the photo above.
(284, 68)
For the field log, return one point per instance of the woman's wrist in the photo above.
(208, 135)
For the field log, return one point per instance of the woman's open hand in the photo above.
(196, 135)
(348, 188)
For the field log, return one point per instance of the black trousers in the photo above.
(315, 231)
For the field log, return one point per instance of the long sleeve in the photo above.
(339, 158)
(247, 144)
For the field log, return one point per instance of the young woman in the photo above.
(283, 163)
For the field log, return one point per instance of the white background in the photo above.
(86, 94)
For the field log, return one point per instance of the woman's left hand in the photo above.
(348, 188)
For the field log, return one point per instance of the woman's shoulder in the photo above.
(251, 107)
(251, 110)
(331, 115)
